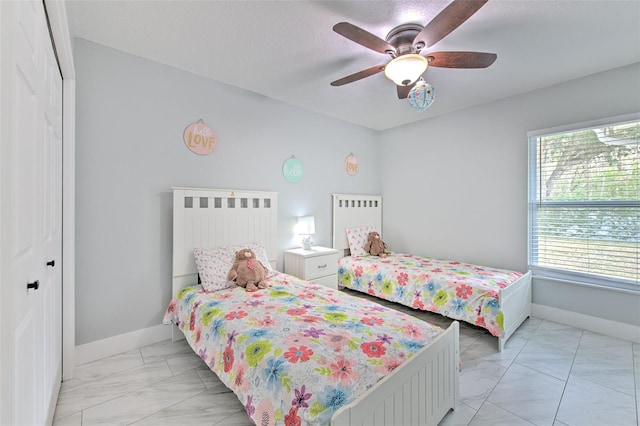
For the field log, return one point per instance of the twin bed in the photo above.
(301, 353)
(498, 300)
(298, 352)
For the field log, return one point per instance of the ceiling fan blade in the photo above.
(362, 37)
(359, 75)
(403, 91)
(448, 20)
(461, 59)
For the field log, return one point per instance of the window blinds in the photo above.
(584, 204)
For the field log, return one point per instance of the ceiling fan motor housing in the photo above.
(401, 37)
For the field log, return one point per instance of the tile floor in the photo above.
(548, 374)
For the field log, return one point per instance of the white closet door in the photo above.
(31, 216)
(51, 236)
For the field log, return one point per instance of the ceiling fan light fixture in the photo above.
(406, 69)
(422, 95)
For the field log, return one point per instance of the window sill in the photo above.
(608, 285)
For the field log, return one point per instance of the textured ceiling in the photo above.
(287, 50)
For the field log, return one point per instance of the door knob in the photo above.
(51, 263)
(34, 285)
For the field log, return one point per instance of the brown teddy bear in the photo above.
(374, 245)
(247, 271)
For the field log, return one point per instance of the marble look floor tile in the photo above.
(477, 380)
(110, 365)
(211, 380)
(589, 404)
(461, 416)
(547, 359)
(466, 328)
(165, 348)
(71, 400)
(485, 348)
(555, 335)
(145, 401)
(532, 396)
(605, 368)
(238, 419)
(560, 340)
(636, 368)
(72, 420)
(467, 341)
(551, 327)
(470, 334)
(515, 344)
(527, 328)
(205, 408)
(606, 343)
(120, 390)
(182, 362)
(492, 415)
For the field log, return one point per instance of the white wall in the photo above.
(455, 186)
(131, 114)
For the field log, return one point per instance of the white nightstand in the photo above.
(320, 264)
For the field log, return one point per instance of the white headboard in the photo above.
(352, 211)
(219, 217)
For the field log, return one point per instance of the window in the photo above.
(584, 203)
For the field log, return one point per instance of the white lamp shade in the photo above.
(406, 69)
(306, 225)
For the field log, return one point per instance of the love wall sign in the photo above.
(200, 138)
(351, 165)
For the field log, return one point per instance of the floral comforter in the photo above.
(295, 352)
(456, 290)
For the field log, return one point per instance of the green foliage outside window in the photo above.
(585, 202)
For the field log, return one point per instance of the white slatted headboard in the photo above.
(219, 217)
(353, 211)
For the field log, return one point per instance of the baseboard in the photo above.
(57, 383)
(587, 322)
(122, 343)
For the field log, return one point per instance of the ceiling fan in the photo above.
(405, 42)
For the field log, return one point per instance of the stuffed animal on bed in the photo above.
(375, 246)
(247, 271)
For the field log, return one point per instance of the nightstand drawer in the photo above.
(320, 266)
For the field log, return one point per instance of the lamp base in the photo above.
(307, 242)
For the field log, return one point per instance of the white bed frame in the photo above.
(352, 211)
(419, 392)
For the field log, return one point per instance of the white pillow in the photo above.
(214, 263)
(357, 238)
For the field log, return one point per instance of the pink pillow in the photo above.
(357, 238)
(214, 263)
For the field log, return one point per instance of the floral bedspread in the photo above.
(456, 290)
(295, 352)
